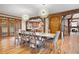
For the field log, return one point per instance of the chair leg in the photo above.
(57, 49)
(17, 42)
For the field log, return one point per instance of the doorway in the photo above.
(72, 24)
(8, 26)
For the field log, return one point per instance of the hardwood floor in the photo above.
(70, 45)
(8, 46)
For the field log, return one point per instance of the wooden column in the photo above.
(15, 27)
(0, 29)
(69, 26)
(20, 23)
(78, 26)
(44, 24)
(8, 23)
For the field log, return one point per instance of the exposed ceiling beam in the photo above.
(66, 12)
(2, 14)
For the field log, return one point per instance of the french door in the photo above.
(4, 26)
(8, 26)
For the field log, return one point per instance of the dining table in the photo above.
(39, 35)
(48, 35)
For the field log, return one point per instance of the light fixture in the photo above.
(44, 13)
(25, 17)
(44, 4)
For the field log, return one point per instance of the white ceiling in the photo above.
(34, 9)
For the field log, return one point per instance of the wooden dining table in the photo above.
(39, 35)
(48, 35)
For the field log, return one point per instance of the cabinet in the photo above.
(55, 24)
(35, 24)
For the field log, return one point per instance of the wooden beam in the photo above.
(66, 12)
(71, 17)
(36, 17)
(75, 18)
(7, 15)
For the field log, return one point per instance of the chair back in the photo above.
(57, 36)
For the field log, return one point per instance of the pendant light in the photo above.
(25, 17)
(44, 13)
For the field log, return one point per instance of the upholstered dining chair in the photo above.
(17, 38)
(23, 37)
(55, 40)
(39, 43)
(32, 42)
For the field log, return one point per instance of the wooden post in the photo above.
(8, 23)
(69, 26)
(0, 29)
(44, 25)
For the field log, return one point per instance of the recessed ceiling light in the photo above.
(44, 4)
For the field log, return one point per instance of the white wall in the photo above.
(47, 25)
(23, 25)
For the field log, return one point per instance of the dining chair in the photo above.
(32, 42)
(23, 38)
(39, 43)
(27, 39)
(56, 39)
(17, 38)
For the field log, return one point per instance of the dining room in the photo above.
(37, 28)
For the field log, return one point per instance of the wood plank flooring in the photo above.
(70, 45)
(8, 46)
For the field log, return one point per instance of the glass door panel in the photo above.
(4, 27)
(11, 27)
(18, 24)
